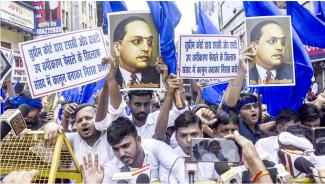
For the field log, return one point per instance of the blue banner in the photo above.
(291, 97)
(166, 16)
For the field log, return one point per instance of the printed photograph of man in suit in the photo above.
(133, 45)
(271, 43)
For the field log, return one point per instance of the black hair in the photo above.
(186, 119)
(84, 106)
(286, 115)
(155, 104)
(245, 98)
(308, 112)
(139, 93)
(119, 129)
(120, 30)
(257, 30)
(225, 118)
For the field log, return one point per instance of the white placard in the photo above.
(64, 61)
(208, 56)
(8, 53)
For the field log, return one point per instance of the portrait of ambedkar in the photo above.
(271, 42)
(135, 47)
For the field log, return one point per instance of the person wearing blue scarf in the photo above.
(245, 104)
(33, 120)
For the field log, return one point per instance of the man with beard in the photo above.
(139, 102)
(32, 119)
(87, 139)
(133, 152)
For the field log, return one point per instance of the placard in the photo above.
(5, 67)
(208, 57)
(64, 61)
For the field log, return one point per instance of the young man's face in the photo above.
(284, 127)
(184, 136)
(127, 151)
(313, 123)
(225, 129)
(32, 115)
(271, 47)
(85, 119)
(140, 107)
(250, 114)
(135, 49)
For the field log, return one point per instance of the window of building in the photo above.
(229, 9)
(67, 19)
(90, 12)
(83, 7)
(6, 45)
(63, 18)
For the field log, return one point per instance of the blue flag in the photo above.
(319, 7)
(71, 95)
(291, 97)
(310, 29)
(88, 91)
(212, 94)
(205, 26)
(166, 16)
(112, 6)
(99, 86)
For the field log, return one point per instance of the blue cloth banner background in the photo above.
(319, 7)
(311, 30)
(291, 97)
(166, 16)
(212, 94)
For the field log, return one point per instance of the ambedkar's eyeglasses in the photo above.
(274, 40)
(138, 41)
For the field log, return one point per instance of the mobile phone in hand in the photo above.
(214, 150)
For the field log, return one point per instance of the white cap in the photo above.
(287, 138)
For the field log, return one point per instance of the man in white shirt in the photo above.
(87, 139)
(268, 147)
(134, 152)
(111, 106)
(187, 126)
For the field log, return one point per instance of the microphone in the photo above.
(124, 169)
(191, 167)
(143, 178)
(227, 174)
(13, 119)
(303, 165)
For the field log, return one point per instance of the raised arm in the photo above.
(235, 86)
(162, 121)
(10, 88)
(110, 92)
